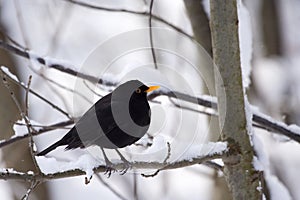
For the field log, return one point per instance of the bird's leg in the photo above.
(126, 163)
(109, 165)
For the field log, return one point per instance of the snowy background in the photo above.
(114, 46)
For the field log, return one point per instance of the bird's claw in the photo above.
(109, 169)
(126, 167)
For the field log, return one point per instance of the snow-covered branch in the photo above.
(221, 148)
(43, 129)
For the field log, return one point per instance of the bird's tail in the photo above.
(52, 147)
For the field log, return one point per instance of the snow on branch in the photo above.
(42, 129)
(216, 151)
(270, 124)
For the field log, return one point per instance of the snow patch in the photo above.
(294, 128)
(245, 35)
(85, 162)
(9, 170)
(202, 150)
(20, 127)
(8, 73)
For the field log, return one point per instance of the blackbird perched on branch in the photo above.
(117, 120)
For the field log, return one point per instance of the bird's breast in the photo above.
(140, 113)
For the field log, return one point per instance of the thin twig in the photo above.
(110, 188)
(64, 17)
(24, 115)
(151, 34)
(45, 129)
(14, 42)
(64, 87)
(192, 109)
(213, 165)
(30, 128)
(21, 84)
(142, 13)
(168, 153)
(34, 184)
(14, 98)
(26, 95)
(87, 85)
(43, 126)
(165, 161)
(151, 175)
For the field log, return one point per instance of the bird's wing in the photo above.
(88, 126)
(98, 124)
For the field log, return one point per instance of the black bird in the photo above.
(117, 120)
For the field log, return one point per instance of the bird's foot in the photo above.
(109, 169)
(126, 166)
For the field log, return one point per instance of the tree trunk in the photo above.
(239, 172)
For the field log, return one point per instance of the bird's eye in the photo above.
(138, 90)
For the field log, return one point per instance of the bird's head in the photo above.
(143, 89)
(132, 89)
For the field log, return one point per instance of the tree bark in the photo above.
(200, 23)
(239, 172)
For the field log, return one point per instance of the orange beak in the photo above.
(151, 88)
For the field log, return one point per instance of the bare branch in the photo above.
(26, 95)
(142, 13)
(168, 153)
(24, 115)
(30, 189)
(192, 109)
(87, 85)
(29, 127)
(65, 87)
(165, 161)
(36, 94)
(151, 35)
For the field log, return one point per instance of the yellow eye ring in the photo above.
(138, 90)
